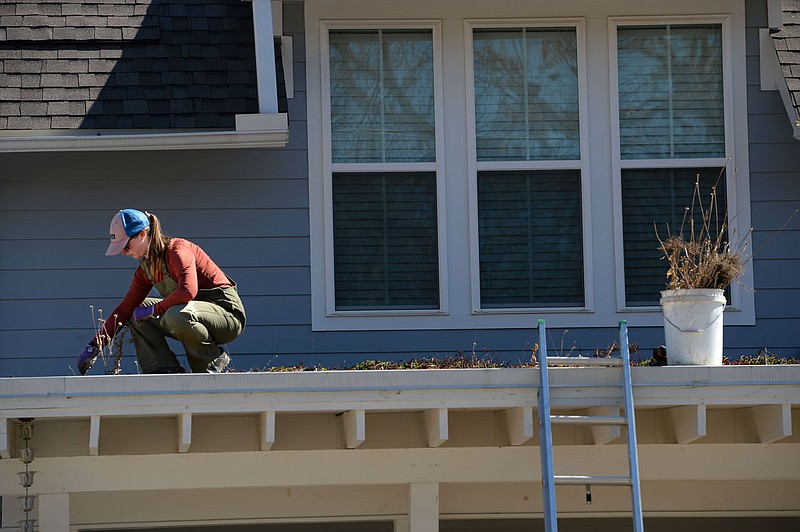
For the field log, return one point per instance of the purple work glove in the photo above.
(87, 358)
(143, 312)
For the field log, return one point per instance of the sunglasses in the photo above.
(127, 245)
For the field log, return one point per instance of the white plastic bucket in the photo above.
(693, 326)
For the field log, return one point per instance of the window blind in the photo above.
(381, 91)
(530, 239)
(670, 92)
(385, 241)
(657, 199)
(526, 94)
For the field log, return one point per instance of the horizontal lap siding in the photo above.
(249, 210)
(775, 195)
(55, 210)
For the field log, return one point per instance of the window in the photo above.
(381, 96)
(486, 167)
(528, 160)
(384, 217)
(385, 247)
(530, 239)
(656, 200)
(670, 92)
(671, 98)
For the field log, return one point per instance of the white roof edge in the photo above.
(276, 138)
(408, 390)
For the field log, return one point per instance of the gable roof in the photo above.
(787, 45)
(143, 64)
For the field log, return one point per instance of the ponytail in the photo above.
(156, 254)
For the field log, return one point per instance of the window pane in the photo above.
(671, 92)
(382, 106)
(526, 94)
(385, 241)
(530, 240)
(658, 199)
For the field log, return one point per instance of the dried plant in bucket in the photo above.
(701, 255)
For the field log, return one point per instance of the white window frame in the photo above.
(735, 117)
(329, 167)
(581, 164)
(457, 205)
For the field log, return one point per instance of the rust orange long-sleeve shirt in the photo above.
(190, 267)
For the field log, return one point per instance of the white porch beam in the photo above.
(94, 435)
(773, 422)
(184, 429)
(520, 424)
(602, 434)
(54, 512)
(423, 507)
(436, 426)
(689, 422)
(236, 469)
(266, 424)
(5, 442)
(354, 427)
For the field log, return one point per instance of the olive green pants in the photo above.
(199, 325)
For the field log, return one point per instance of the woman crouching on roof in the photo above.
(199, 304)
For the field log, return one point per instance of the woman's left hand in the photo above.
(143, 312)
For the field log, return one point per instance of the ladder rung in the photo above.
(581, 480)
(588, 420)
(583, 361)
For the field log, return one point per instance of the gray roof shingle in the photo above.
(124, 64)
(787, 44)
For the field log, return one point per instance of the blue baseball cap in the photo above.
(125, 224)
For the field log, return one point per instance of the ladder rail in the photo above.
(546, 420)
(546, 438)
(633, 448)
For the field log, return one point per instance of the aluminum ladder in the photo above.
(546, 420)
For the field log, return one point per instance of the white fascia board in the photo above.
(130, 141)
(337, 391)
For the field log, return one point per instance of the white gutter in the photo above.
(394, 390)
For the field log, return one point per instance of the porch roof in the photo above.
(687, 391)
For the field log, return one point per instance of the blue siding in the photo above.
(775, 194)
(249, 210)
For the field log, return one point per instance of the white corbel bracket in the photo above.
(602, 434)
(184, 429)
(266, 423)
(520, 424)
(94, 435)
(354, 428)
(773, 422)
(689, 422)
(436, 426)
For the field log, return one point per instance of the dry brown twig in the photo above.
(110, 350)
(705, 257)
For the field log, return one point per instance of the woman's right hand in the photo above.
(87, 358)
